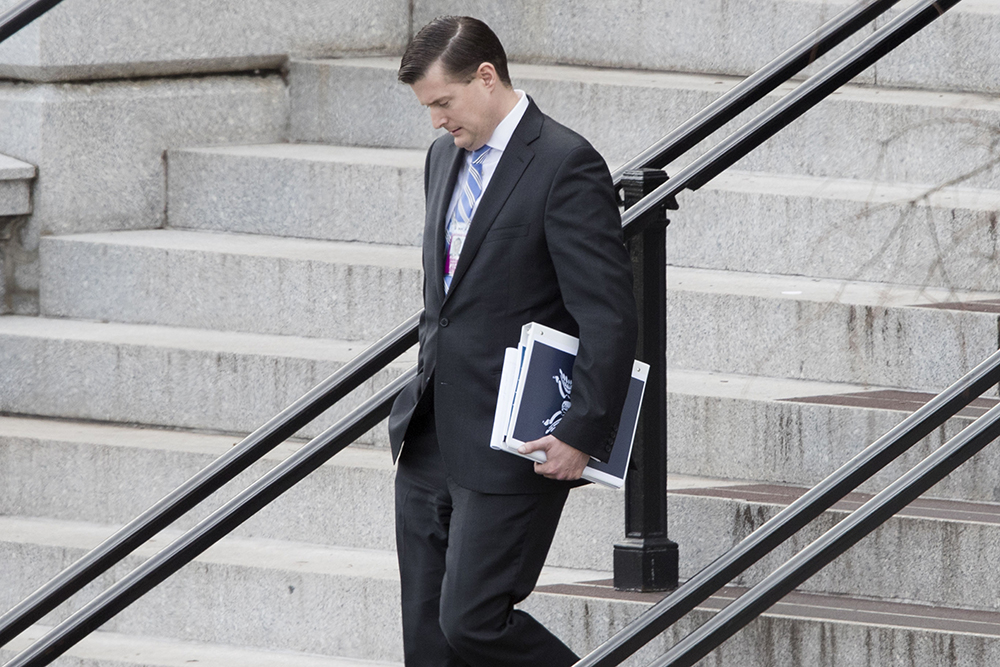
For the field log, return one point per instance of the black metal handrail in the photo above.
(699, 172)
(209, 480)
(834, 542)
(740, 97)
(216, 526)
(23, 14)
(815, 89)
(790, 520)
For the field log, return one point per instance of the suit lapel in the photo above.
(508, 172)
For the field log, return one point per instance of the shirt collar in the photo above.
(505, 130)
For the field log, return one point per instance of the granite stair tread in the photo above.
(171, 376)
(861, 131)
(827, 329)
(232, 282)
(103, 647)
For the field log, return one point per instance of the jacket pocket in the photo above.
(507, 232)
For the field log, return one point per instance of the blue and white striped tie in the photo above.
(460, 219)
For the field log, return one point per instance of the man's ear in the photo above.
(487, 73)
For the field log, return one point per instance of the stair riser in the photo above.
(800, 444)
(726, 225)
(771, 641)
(150, 38)
(854, 134)
(922, 348)
(15, 197)
(951, 54)
(101, 484)
(938, 562)
(904, 243)
(306, 199)
(122, 130)
(254, 607)
(103, 381)
(358, 617)
(226, 292)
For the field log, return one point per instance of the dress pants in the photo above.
(465, 560)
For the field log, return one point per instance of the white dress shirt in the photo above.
(498, 143)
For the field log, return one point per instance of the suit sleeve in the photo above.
(584, 236)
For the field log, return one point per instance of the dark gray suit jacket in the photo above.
(545, 245)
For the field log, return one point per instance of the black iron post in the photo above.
(647, 560)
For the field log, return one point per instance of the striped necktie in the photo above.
(461, 217)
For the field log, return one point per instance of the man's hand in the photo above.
(562, 462)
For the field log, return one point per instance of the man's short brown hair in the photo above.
(461, 43)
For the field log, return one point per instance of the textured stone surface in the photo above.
(685, 37)
(835, 331)
(741, 221)
(775, 639)
(104, 648)
(99, 147)
(830, 228)
(954, 53)
(15, 186)
(254, 593)
(228, 282)
(310, 191)
(740, 427)
(259, 594)
(934, 561)
(101, 473)
(860, 132)
(151, 38)
(167, 375)
(297, 596)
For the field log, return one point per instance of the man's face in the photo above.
(464, 109)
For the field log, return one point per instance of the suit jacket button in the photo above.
(444, 322)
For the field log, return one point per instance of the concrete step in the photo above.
(104, 648)
(798, 432)
(264, 594)
(168, 376)
(15, 186)
(834, 331)
(860, 132)
(935, 552)
(122, 129)
(802, 629)
(280, 596)
(832, 228)
(231, 282)
(954, 53)
(838, 228)
(101, 473)
(148, 38)
(304, 190)
(730, 38)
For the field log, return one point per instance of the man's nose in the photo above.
(437, 119)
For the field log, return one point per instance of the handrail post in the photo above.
(647, 560)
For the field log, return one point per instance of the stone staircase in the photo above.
(204, 249)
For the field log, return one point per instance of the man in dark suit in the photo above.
(521, 225)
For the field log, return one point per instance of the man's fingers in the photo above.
(534, 446)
